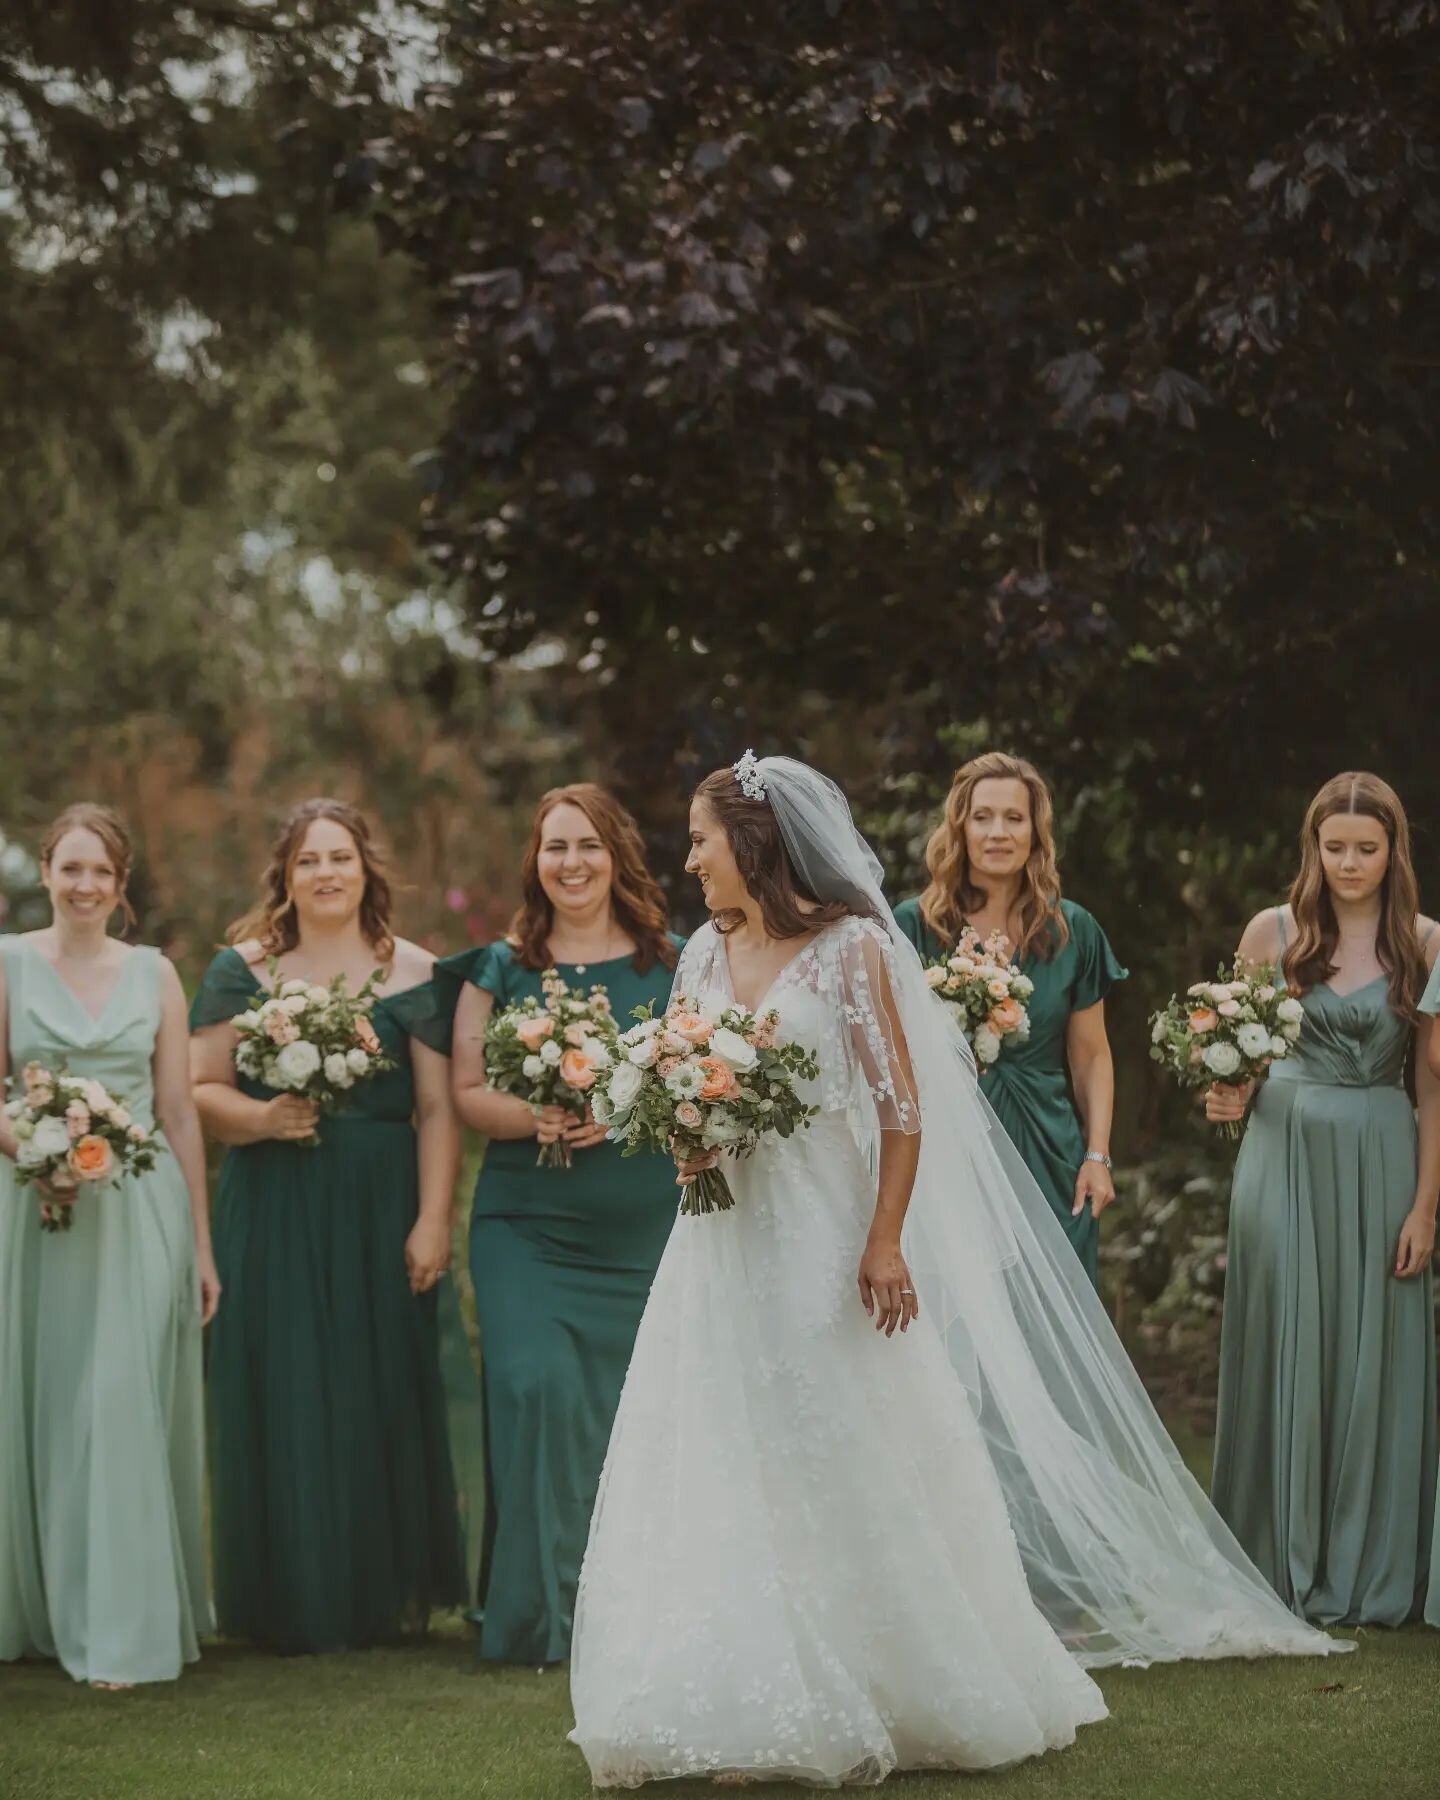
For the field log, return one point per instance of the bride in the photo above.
(882, 1483)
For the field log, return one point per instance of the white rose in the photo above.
(296, 1063)
(248, 1021)
(51, 1138)
(1199, 990)
(987, 1044)
(1158, 1030)
(733, 1050)
(1021, 986)
(337, 1071)
(550, 1053)
(685, 1081)
(24, 1129)
(644, 1054)
(1222, 1060)
(294, 1004)
(27, 1155)
(599, 1108)
(935, 978)
(1291, 1033)
(1228, 1009)
(318, 996)
(532, 1068)
(599, 1057)
(1289, 1011)
(1279, 1046)
(1254, 1040)
(294, 987)
(120, 1117)
(625, 1086)
(359, 1061)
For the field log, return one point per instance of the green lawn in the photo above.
(431, 1722)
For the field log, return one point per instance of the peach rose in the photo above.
(365, 1036)
(719, 1081)
(532, 1033)
(692, 1026)
(1008, 1016)
(1203, 1019)
(576, 1070)
(91, 1159)
(689, 1115)
(281, 1029)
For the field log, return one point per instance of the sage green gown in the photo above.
(102, 1533)
(1029, 1084)
(334, 1512)
(562, 1261)
(1325, 1451)
(1430, 1004)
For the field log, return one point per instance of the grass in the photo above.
(432, 1723)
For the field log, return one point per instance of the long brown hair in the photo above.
(953, 893)
(272, 920)
(1310, 960)
(788, 907)
(109, 827)
(635, 896)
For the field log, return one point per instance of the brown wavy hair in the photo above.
(953, 893)
(272, 920)
(788, 907)
(1310, 959)
(635, 897)
(109, 827)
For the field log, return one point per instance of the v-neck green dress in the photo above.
(562, 1261)
(1325, 1449)
(335, 1523)
(102, 1490)
(1029, 1084)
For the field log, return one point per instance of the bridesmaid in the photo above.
(1325, 1454)
(1430, 1007)
(992, 866)
(102, 1535)
(335, 1523)
(562, 1259)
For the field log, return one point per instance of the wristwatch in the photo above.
(1100, 1157)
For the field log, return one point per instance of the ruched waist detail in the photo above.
(1293, 1076)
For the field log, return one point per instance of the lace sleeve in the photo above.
(695, 971)
(871, 1027)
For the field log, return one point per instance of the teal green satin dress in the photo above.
(1430, 1005)
(1325, 1449)
(102, 1488)
(562, 1261)
(335, 1522)
(1029, 1084)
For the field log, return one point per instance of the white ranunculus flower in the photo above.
(295, 1004)
(1254, 1040)
(293, 986)
(532, 1068)
(359, 1060)
(296, 1063)
(987, 1044)
(337, 1070)
(625, 1086)
(733, 1050)
(51, 1138)
(318, 996)
(550, 1052)
(1289, 1011)
(1222, 1060)
(1279, 1046)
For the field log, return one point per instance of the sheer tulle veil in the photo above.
(1124, 1553)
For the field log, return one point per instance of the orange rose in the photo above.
(365, 1036)
(576, 1070)
(718, 1079)
(1203, 1019)
(91, 1159)
(1008, 1016)
(532, 1033)
(692, 1026)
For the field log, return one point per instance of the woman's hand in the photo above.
(1225, 1102)
(61, 1186)
(290, 1117)
(427, 1253)
(552, 1123)
(886, 1291)
(1095, 1184)
(584, 1134)
(209, 1285)
(1417, 1243)
(695, 1166)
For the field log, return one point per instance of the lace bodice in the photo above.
(836, 996)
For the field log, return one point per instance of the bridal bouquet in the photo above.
(551, 1052)
(702, 1079)
(1228, 1030)
(984, 991)
(315, 1041)
(72, 1133)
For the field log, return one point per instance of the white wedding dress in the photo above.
(820, 1554)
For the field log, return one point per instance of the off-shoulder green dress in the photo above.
(333, 1500)
(562, 1261)
(1029, 1084)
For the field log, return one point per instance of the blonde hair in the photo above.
(272, 920)
(953, 893)
(1310, 960)
(109, 827)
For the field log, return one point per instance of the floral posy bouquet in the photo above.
(73, 1133)
(318, 1042)
(551, 1052)
(985, 992)
(1228, 1030)
(701, 1079)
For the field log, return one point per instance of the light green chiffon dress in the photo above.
(1325, 1450)
(1430, 1004)
(102, 1543)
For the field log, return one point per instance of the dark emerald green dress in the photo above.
(1029, 1084)
(334, 1515)
(562, 1260)
(1325, 1443)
